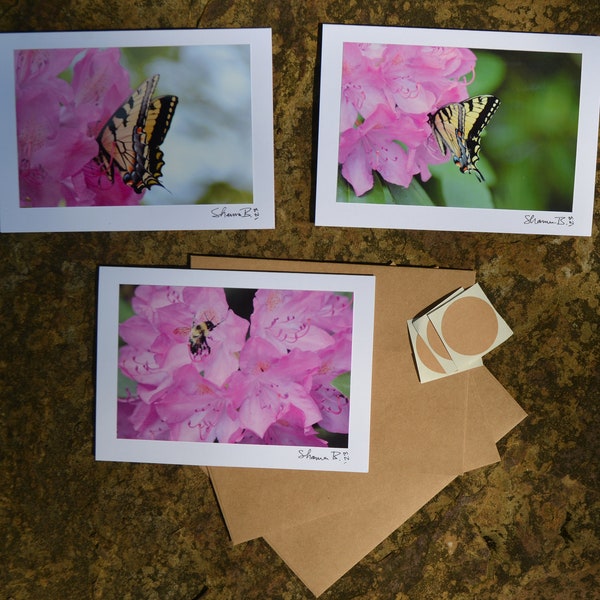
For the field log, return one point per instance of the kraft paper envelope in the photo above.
(423, 436)
(322, 550)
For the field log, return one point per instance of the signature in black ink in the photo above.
(562, 221)
(247, 212)
(325, 455)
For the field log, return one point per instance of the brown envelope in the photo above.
(322, 550)
(422, 437)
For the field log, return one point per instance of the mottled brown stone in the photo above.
(526, 528)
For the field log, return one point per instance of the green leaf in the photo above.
(342, 384)
(345, 193)
(125, 387)
(384, 192)
(125, 309)
(413, 195)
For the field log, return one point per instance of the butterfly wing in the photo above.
(158, 119)
(131, 137)
(147, 138)
(115, 139)
(457, 127)
(444, 124)
(477, 113)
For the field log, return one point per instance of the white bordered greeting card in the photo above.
(234, 368)
(137, 130)
(457, 130)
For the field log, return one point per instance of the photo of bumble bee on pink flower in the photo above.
(234, 366)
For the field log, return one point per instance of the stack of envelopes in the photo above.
(423, 435)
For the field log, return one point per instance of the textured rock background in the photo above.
(528, 527)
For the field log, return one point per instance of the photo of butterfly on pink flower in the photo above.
(393, 97)
(91, 123)
(274, 371)
(414, 118)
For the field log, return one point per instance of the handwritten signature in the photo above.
(562, 221)
(326, 455)
(247, 212)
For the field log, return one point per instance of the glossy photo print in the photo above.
(197, 367)
(436, 135)
(171, 126)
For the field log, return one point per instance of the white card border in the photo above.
(331, 213)
(111, 448)
(258, 215)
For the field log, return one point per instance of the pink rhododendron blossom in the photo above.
(334, 406)
(362, 91)
(373, 146)
(196, 410)
(158, 340)
(136, 419)
(387, 93)
(298, 319)
(199, 373)
(272, 386)
(286, 433)
(58, 122)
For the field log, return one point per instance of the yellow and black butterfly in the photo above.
(131, 138)
(457, 127)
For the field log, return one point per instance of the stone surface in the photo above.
(528, 527)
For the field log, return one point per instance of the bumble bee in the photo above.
(198, 339)
(198, 335)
